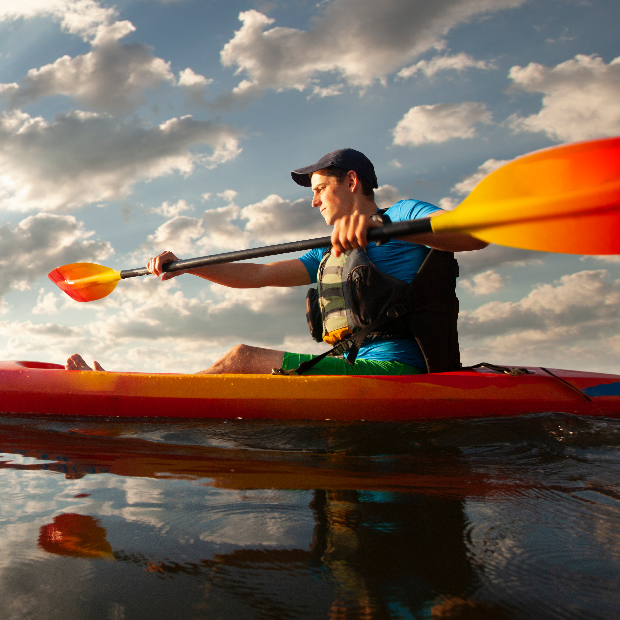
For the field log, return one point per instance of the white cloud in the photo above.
(565, 324)
(47, 303)
(467, 185)
(272, 220)
(458, 62)
(275, 220)
(111, 78)
(351, 41)
(228, 195)
(464, 187)
(494, 257)
(484, 283)
(181, 333)
(580, 98)
(53, 166)
(178, 235)
(81, 17)
(171, 210)
(194, 86)
(41, 242)
(577, 301)
(189, 79)
(441, 122)
(386, 196)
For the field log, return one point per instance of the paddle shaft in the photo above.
(382, 234)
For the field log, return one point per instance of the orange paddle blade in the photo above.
(563, 199)
(85, 281)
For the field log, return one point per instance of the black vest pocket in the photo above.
(313, 314)
(370, 292)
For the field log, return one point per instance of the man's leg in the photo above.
(247, 360)
(242, 359)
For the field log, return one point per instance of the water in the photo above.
(483, 519)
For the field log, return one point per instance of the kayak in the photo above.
(47, 389)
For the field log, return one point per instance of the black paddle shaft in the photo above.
(397, 229)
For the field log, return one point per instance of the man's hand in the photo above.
(155, 266)
(350, 232)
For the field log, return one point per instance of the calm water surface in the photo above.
(514, 518)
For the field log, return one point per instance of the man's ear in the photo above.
(352, 180)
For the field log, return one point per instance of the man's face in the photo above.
(334, 199)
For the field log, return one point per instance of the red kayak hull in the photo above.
(40, 388)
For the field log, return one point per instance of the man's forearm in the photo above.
(234, 275)
(254, 275)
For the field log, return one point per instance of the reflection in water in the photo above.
(486, 519)
(78, 536)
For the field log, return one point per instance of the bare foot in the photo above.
(75, 362)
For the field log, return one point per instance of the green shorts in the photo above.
(337, 366)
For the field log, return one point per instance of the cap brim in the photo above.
(301, 176)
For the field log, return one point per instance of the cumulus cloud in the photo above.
(194, 85)
(56, 166)
(584, 302)
(145, 318)
(272, 220)
(47, 303)
(457, 62)
(386, 196)
(215, 229)
(475, 264)
(80, 17)
(580, 98)
(189, 79)
(494, 257)
(41, 242)
(352, 42)
(171, 210)
(425, 124)
(466, 186)
(484, 283)
(275, 220)
(570, 323)
(111, 78)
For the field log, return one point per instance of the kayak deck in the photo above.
(41, 388)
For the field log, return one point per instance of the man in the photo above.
(342, 185)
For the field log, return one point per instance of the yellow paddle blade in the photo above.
(563, 199)
(85, 281)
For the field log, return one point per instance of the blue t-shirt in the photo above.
(397, 258)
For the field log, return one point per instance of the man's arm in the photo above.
(350, 233)
(239, 275)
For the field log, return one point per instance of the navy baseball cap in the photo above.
(349, 159)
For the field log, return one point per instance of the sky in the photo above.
(135, 127)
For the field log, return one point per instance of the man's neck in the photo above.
(366, 205)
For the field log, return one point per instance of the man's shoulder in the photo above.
(410, 209)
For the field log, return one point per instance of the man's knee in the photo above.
(245, 359)
(241, 353)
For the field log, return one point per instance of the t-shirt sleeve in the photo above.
(411, 210)
(311, 261)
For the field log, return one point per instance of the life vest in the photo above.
(351, 293)
(355, 302)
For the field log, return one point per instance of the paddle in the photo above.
(562, 199)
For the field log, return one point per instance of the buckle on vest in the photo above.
(395, 311)
(342, 347)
